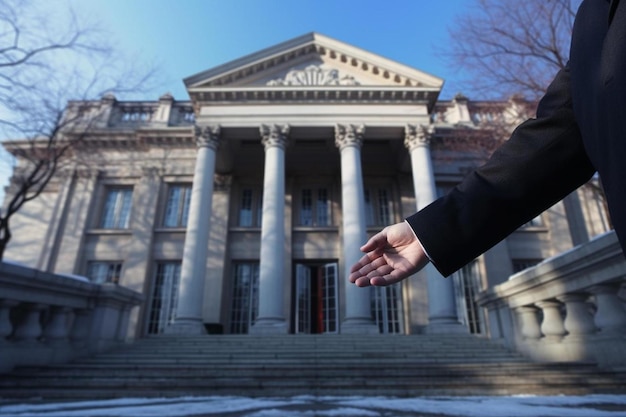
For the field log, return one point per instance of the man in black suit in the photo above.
(580, 128)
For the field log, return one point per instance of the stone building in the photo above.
(241, 209)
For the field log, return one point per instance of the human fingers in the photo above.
(373, 277)
(392, 276)
(365, 261)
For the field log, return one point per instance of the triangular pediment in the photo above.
(309, 61)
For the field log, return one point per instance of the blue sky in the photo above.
(184, 37)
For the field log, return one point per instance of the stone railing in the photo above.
(567, 308)
(47, 318)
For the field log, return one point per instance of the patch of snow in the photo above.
(310, 406)
(74, 276)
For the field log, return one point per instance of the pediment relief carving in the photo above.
(313, 75)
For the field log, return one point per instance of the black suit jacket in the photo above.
(580, 128)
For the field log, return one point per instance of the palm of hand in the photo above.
(391, 256)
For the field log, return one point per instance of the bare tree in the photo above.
(512, 47)
(42, 67)
(509, 49)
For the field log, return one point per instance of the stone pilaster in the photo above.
(69, 249)
(271, 318)
(442, 314)
(349, 139)
(193, 270)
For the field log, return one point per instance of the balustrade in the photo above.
(47, 318)
(579, 296)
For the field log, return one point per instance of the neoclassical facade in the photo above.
(241, 209)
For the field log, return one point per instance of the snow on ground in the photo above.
(310, 406)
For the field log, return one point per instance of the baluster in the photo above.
(552, 324)
(56, 330)
(6, 328)
(578, 318)
(28, 330)
(611, 314)
(529, 324)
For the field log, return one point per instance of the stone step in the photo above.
(308, 365)
(301, 371)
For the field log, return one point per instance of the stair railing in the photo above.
(48, 318)
(567, 308)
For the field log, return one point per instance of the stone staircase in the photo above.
(287, 365)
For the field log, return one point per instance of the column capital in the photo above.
(349, 135)
(274, 135)
(207, 136)
(416, 136)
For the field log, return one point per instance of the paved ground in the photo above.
(309, 406)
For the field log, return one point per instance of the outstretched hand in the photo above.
(391, 255)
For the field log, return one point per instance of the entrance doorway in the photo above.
(315, 298)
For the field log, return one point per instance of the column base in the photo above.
(269, 326)
(185, 327)
(445, 327)
(359, 326)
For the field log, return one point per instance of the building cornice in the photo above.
(312, 94)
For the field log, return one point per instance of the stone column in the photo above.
(442, 314)
(349, 139)
(193, 270)
(271, 318)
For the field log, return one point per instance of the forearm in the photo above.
(542, 162)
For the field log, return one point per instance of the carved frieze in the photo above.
(314, 75)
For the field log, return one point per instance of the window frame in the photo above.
(255, 207)
(182, 205)
(123, 206)
(317, 211)
(110, 278)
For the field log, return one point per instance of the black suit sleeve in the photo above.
(542, 162)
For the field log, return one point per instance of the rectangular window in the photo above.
(104, 272)
(250, 208)
(386, 306)
(378, 207)
(245, 305)
(315, 207)
(164, 296)
(116, 213)
(466, 287)
(177, 207)
(521, 264)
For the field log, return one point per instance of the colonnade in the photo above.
(271, 317)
